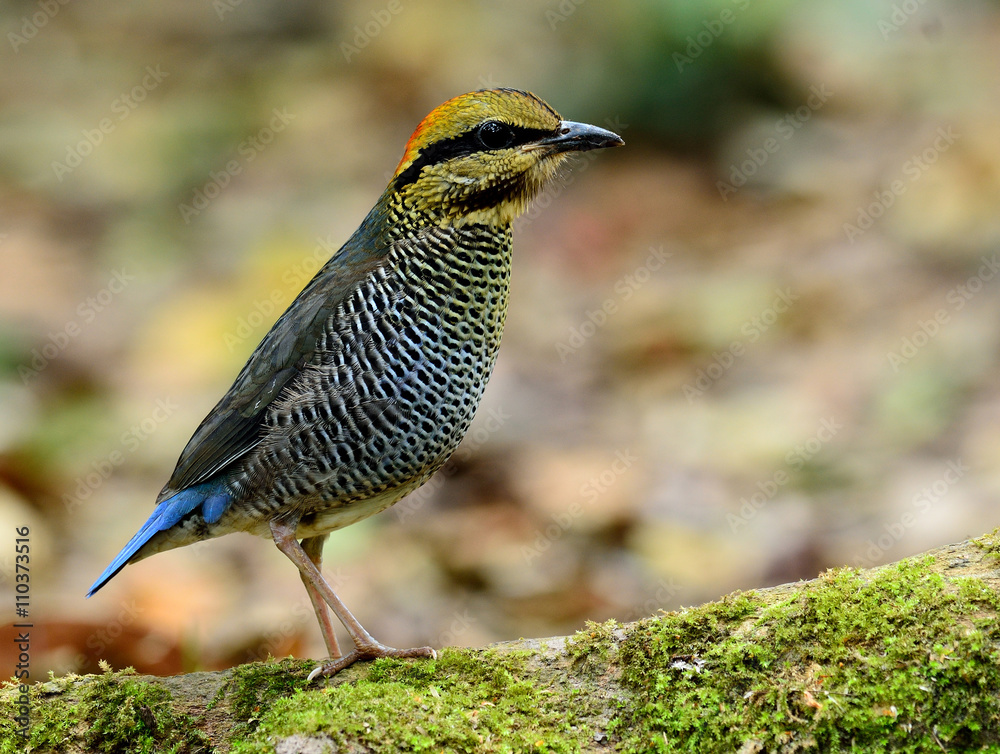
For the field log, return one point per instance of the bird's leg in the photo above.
(313, 547)
(365, 647)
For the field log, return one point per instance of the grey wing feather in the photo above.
(233, 427)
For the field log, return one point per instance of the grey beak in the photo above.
(581, 137)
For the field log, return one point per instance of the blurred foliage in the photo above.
(742, 349)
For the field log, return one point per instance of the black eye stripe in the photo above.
(463, 144)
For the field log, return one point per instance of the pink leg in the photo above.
(365, 647)
(313, 547)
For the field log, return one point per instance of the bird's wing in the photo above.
(232, 428)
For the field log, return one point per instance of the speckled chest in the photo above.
(400, 371)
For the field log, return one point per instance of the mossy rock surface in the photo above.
(904, 658)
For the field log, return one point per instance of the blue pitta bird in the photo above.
(368, 382)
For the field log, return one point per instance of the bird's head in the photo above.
(481, 157)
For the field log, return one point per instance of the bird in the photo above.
(368, 382)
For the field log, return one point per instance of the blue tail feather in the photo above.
(213, 496)
(214, 506)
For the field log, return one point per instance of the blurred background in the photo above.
(759, 341)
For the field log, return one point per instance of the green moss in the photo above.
(904, 658)
(252, 688)
(130, 715)
(989, 544)
(466, 701)
(900, 659)
(593, 646)
(10, 739)
(113, 712)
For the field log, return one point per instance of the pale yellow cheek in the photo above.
(446, 185)
(485, 169)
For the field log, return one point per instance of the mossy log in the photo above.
(904, 657)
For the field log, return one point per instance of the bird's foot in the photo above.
(368, 652)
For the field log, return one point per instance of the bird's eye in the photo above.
(495, 135)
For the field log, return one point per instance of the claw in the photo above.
(368, 652)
